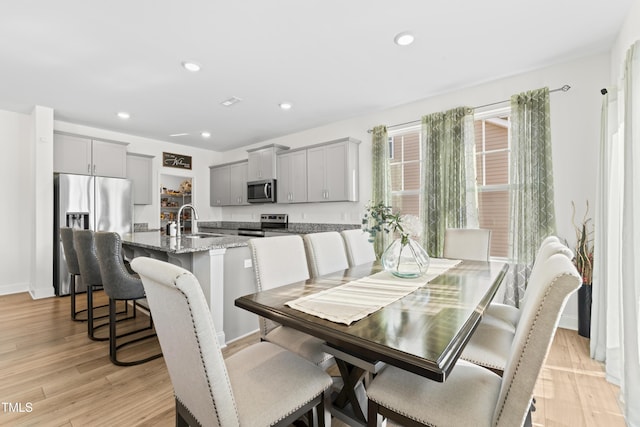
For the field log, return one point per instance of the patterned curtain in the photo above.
(449, 198)
(381, 177)
(532, 211)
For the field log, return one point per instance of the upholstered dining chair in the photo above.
(359, 248)
(490, 344)
(467, 243)
(325, 252)
(120, 285)
(473, 395)
(279, 261)
(84, 243)
(71, 258)
(261, 385)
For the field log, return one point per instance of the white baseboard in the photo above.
(14, 288)
(568, 322)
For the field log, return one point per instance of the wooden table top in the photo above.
(424, 332)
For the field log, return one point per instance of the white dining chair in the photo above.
(473, 395)
(359, 249)
(325, 252)
(467, 244)
(279, 261)
(261, 385)
(490, 344)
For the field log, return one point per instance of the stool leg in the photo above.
(72, 292)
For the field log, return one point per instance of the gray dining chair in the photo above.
(470, 244)
(279, 261)
(261, 385)
(473, 395)
(359, 249)
(120, 285)
(325, 253)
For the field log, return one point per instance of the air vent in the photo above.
(231, 101)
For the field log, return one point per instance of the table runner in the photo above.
(357, 299)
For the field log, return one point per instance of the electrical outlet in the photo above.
(247, 263)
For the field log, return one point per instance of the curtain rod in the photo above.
(564, 88)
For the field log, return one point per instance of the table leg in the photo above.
(351, 376)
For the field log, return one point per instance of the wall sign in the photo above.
(172, 160)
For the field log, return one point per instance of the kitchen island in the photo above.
(222, 264)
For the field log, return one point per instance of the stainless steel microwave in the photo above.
(261, 191)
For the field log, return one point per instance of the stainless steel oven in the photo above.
(261, 191)
(270, 225)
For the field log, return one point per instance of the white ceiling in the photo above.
(332, 59)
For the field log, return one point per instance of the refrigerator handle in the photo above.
(88, 167)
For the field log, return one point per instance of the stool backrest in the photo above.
(84, 243)
(69, 250)
(118, 283)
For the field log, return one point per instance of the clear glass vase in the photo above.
(405, 260)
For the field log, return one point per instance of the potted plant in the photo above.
(583, 260)
(404, 257)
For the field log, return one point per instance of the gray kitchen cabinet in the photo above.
(219, 185)
(332, 171)
(262, 162)
(86, 156)
(228, 184)
(140, 172)
(292, 176)
(238, 183)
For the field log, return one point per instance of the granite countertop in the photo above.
(293, 227)
(159, 242)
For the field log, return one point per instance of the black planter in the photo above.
(584, 310)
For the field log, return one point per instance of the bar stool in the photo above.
(120, 285)
(66, 237)
(83, 241)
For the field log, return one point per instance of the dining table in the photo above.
(424, 331)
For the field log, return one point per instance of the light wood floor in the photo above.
(56, 376)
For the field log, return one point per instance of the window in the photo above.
(404, 164)
(492, 168)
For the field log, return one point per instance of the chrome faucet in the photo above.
(195, 216)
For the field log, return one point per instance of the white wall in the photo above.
(17, 209)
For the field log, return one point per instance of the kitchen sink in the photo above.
(202, 235)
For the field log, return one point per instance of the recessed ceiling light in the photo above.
(205, 134)
(231, 101)
(285, 105)
(191, 66)
(123, 115)
(403, 39)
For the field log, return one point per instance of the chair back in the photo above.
(277, 261)
(467, 243)
(359, 249)
(188, 340)
(325, 253)
(550, 289)
(118, 283)
(84, 243)
(70, 256)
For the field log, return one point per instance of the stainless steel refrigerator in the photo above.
(91, 203)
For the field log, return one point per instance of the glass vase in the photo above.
(405, 260)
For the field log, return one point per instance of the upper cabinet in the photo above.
(332, 171)
(140, 172)
(86, 156)
(262, 162)
(292, 176)
(228, 184)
